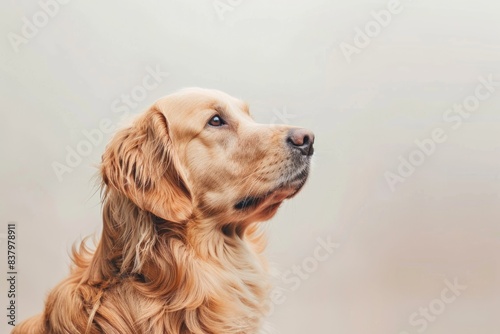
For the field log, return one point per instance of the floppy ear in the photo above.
(140, 163)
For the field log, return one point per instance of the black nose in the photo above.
(302, 140)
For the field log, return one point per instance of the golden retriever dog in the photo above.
(183, 189)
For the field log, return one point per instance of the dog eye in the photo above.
(216, 121)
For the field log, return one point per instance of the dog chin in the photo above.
(273, 198)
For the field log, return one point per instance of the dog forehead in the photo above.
(189, 103)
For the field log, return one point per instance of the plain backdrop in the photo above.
(398, 247)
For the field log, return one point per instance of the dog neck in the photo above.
(189, 265)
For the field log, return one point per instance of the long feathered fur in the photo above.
(160, 266)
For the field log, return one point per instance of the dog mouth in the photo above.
(249, 202)
(285, 189)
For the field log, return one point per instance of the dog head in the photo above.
(198, 154)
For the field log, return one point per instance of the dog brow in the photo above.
(219, 108)
(246, 108)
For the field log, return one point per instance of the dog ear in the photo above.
(140, 163)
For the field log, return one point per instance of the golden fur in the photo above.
(179, 252)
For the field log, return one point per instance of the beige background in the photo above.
(396, 248)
